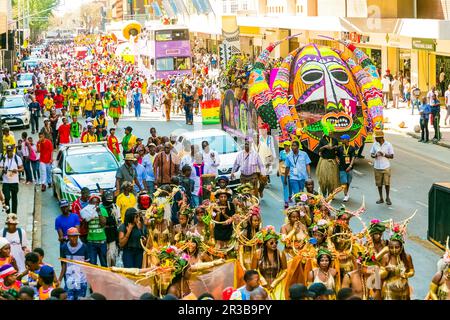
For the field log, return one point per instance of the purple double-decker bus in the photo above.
(167, 51)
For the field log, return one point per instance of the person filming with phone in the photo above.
(10, 166)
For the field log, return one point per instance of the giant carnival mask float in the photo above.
(319, 91)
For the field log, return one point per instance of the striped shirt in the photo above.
(249, 163)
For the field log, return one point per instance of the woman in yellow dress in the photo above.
(397, 268)
(271, 263)
(295, 230)
(247, 246)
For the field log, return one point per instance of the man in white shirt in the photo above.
(382, 151)
(210, 157)
(386, 86)
(395, 91)
(10, 166)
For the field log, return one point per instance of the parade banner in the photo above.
(210, 112)
(238, 118)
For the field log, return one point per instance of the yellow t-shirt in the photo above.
(8, 141)
(97, 122)
(89, 138)
(48, 103)
(98, 105)
(123, 203)
(89, 105)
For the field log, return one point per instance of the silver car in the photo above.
(14, 111)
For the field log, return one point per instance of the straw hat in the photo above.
(129, 157)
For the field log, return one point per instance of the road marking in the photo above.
(273, 195)
(422, 204)
(358, 173)
(439, 164)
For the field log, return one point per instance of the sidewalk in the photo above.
(393, 117)
(25, 209)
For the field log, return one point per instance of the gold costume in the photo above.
(396, 287)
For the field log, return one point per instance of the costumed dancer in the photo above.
(324, 273)
(295, 231)
(327, 168)
(397, 267)
(114, 109)
(440, 284)
(271, 263)
(223, 219)
(247, 237)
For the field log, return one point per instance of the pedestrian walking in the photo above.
(266, 150)
(111, 227)
(8, 138)
(415, 94)
(45, 149)
(297, 168)
(165, 165)
(65, 221)
(96, 238)
(26, 158)
(382, 151)
(10, 165)
(137, 101)
(35, 110)
(386, 83)
(436, 114)
(63, 133)
(210, 157)
(131, 234)
(188, 103)
(442, 79)
(113, 143)
(77, 206)
(127, 173)
(147, 162)
(251, 166)
(424, 111)
(395, 84)
(281, 173)
(128, 141)
(346, 155)
(17, 238)
(75, 281)
(75, 130)
(34, 159)
(447, 105)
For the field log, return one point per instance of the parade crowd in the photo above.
(172, 214)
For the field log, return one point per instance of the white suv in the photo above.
(219, 141)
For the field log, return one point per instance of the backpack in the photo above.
(3, 158)
(20, 234)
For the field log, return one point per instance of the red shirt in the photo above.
(64, 133)
(59, 100)
(46, 150)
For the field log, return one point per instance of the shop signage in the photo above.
(424, 44)
(355, 37)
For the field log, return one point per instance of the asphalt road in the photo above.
(415, 168)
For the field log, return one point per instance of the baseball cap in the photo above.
(11, 218)
(46, 271)
(73, 232)
(9, 148)
(63, 203)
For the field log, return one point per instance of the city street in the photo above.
(414, 169)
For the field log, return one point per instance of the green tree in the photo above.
(40, 12)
